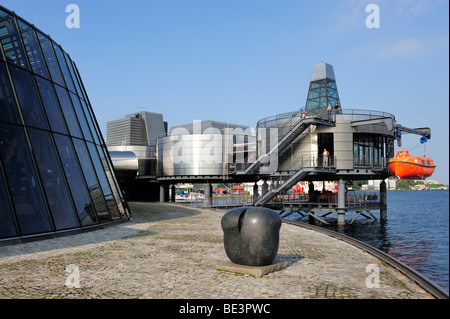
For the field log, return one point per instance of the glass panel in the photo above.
(113, 210)
(63, 66)
(11, 42)
(82, 94)
(92, 181)
(80, 194)
(72, 73)
(28, 98)
(81, 117)
(7, 224)
(66, 105)
(23, 181)
(8, 107)
(33, 50)
(54, 114)
(52, 63)
(113, 182)
(91, 123)
(58, 197)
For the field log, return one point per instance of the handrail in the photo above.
(369, 114)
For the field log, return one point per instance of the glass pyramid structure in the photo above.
(56, 175)
(322, 90)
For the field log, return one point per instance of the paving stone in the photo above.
(170, 251)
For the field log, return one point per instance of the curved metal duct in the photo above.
(125, 164)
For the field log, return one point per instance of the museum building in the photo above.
(56, 175)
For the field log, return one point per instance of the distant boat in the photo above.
(406, 166)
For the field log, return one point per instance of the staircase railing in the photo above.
(298, 170)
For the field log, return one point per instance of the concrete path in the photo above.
(170, 251)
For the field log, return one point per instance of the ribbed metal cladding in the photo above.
(127, 131)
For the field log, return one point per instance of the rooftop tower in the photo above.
(322, 90)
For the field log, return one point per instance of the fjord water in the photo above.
(416, 232)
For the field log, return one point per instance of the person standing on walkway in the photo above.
(325, 157)
(329, 110)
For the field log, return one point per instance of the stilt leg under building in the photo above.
(163, 193)
(172, 193)
(208, 195)
(383, 201)
(255, 192)
(341, 203)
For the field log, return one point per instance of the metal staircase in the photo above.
(303, 167)
(290, 182)
(294, 127)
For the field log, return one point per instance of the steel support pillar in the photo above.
(264, 188)
(341, 203)
(172, 193)
(208, 195)
(383, 201)
(255, 192)
(163, 193)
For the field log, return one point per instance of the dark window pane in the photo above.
(91, 179)
(50, 58)
(66, 105)
(23, 181)
(28, 98)
(7, 224)
(112, 207)
(8, 107)
(63, 66)
(72, 73)
(91, 122)
(53, 181)
(86, 212)
(11, 42)
(32, 48)
(54, 114)
(112, 182)
(81, 117)
(82, 94)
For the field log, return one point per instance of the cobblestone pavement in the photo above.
(169, 251)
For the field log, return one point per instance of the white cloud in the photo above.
(405, 47)
(417, 7)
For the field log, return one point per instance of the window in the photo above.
(106, 187)
(54, 114)
(69, 114)
(33, 50)
(81, 117)
(23, 182)
(91, 180)
(11, 42)
(8, 107)
(53, 181)
(28, 98)
(63, 66)
(368, 149)
(7, 224)
(80, 194)
(49, 55)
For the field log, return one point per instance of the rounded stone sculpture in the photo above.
(251, 235)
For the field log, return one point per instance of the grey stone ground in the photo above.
(169, 251)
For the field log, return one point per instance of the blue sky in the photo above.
(240, 61)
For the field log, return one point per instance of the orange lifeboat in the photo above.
(406, 166)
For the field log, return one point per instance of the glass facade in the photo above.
(369, 150)
(55, 172)
(320, 94)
